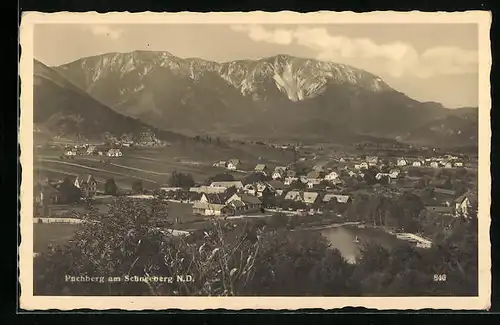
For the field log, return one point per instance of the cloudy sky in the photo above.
(431, 62)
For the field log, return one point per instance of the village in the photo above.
(445, 186)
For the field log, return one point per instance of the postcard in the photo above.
(255, 160)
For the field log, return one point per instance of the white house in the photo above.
(227, 184)
(434, 164)
(394, 173)
(372, 160)
(279, 172)
(114, 153)
(402, 162)
(379, 176)
(364, 165)
(294, 196)
(210, 209)
(289, 180)
(448, 165)
(417, 163)
(220, 163)
(233, 164)
(313, 182)
(462, 205)
(306, 197)
(310, 197)
(459, 164)
(332, 176)
(207, 189)
(339, 198)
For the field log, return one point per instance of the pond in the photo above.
(350, 239)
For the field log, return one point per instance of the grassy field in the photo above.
(154, 165)
(53, 233)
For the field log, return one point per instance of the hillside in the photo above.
(276, 97)
(63, 109)
(458, 129)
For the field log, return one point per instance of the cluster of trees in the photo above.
(254, 258)
(222, 177)
(181, 180)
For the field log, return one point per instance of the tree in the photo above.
(137, 187)
(370, 174)
(220, 178)
(110, 187)
(69, 192)
(298, 185)
(181, 180)
(254, 178)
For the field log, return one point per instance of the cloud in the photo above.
(396, 59)
(105, 30)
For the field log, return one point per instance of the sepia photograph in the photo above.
(255, 160)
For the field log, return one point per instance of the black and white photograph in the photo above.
(255, 160)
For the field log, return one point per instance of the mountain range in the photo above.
(279, 97)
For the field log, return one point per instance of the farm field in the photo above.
(154, 165)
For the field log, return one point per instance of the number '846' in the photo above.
(439, 277)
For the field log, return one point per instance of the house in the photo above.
(290, 180)
(310, 197)
(313, 182)
(394, 173)
(227, 184)
(166, 189)
(458, 164)
(261, 168)
(279, 172)
(351, 173)
(434, 164)
(294, 196)
(379, 176)
(331, 176)
(448, 165)
(363, 165)
(71, 152)
(304, 179)
(220, 163)
(91, 150)
(462, 205)
(417, 163)
(250, 189)
(339, 198)
(372, 160)
(87, 185)
(233, 164)
(207, 189)
(211, 209)
(290, 173)
(277, 187)
(115, 152)
(244, 203)
(342, 160)
(402, 162)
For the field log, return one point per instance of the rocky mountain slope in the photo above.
(62, 108)
(275, 97)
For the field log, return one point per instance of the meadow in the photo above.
(153, 166)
